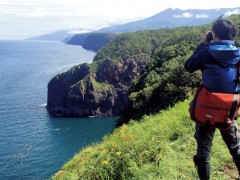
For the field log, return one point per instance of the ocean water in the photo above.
(34, 145)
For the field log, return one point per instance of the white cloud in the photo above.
(201, 16)
(29, 17)
(189, 15)
(184, 15)
(236, 11)
(78, 31)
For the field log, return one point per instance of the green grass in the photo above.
(98, 85)
(158, 147)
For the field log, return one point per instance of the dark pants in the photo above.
(204, 136)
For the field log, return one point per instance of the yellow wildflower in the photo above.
(118, 153)
(131, 136)
(128, 137)
(104, 162)
(123, 129)
(88, 149)
(115, 145)
(59, 173)
(104, 151)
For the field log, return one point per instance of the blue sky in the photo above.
(26, 18)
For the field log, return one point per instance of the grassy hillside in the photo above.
(159, 146)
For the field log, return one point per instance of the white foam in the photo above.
(43, 105)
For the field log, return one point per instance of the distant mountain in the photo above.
(173, 18)
(62, 35)
(55, 36)
(170, 18)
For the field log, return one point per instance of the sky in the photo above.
(26, 18)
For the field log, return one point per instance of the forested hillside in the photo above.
(164, 81)
(136, 73)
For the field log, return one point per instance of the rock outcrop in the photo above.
(97, 89)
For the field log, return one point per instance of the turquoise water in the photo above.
(34, 145)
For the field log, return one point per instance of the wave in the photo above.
(65, 67)
(43, 105)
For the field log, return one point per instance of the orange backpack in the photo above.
(214, 109)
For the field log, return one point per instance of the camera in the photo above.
(209, 36)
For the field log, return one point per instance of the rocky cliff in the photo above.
(96, 89)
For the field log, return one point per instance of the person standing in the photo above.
(218, 59)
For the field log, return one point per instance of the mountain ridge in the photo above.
(163, 16)
(169, 18)
(173, 18)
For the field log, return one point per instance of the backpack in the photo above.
(213, 109)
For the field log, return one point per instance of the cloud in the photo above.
(28, 17)
(199, 16)
(184, 15)
(78, 31)
(189, 15)
(236, 11)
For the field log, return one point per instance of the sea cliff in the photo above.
(85, 90)
(140, 72)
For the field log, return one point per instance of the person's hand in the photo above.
(204, 39)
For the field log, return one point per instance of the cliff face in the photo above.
(86, 90)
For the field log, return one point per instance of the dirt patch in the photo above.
(231, 172)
